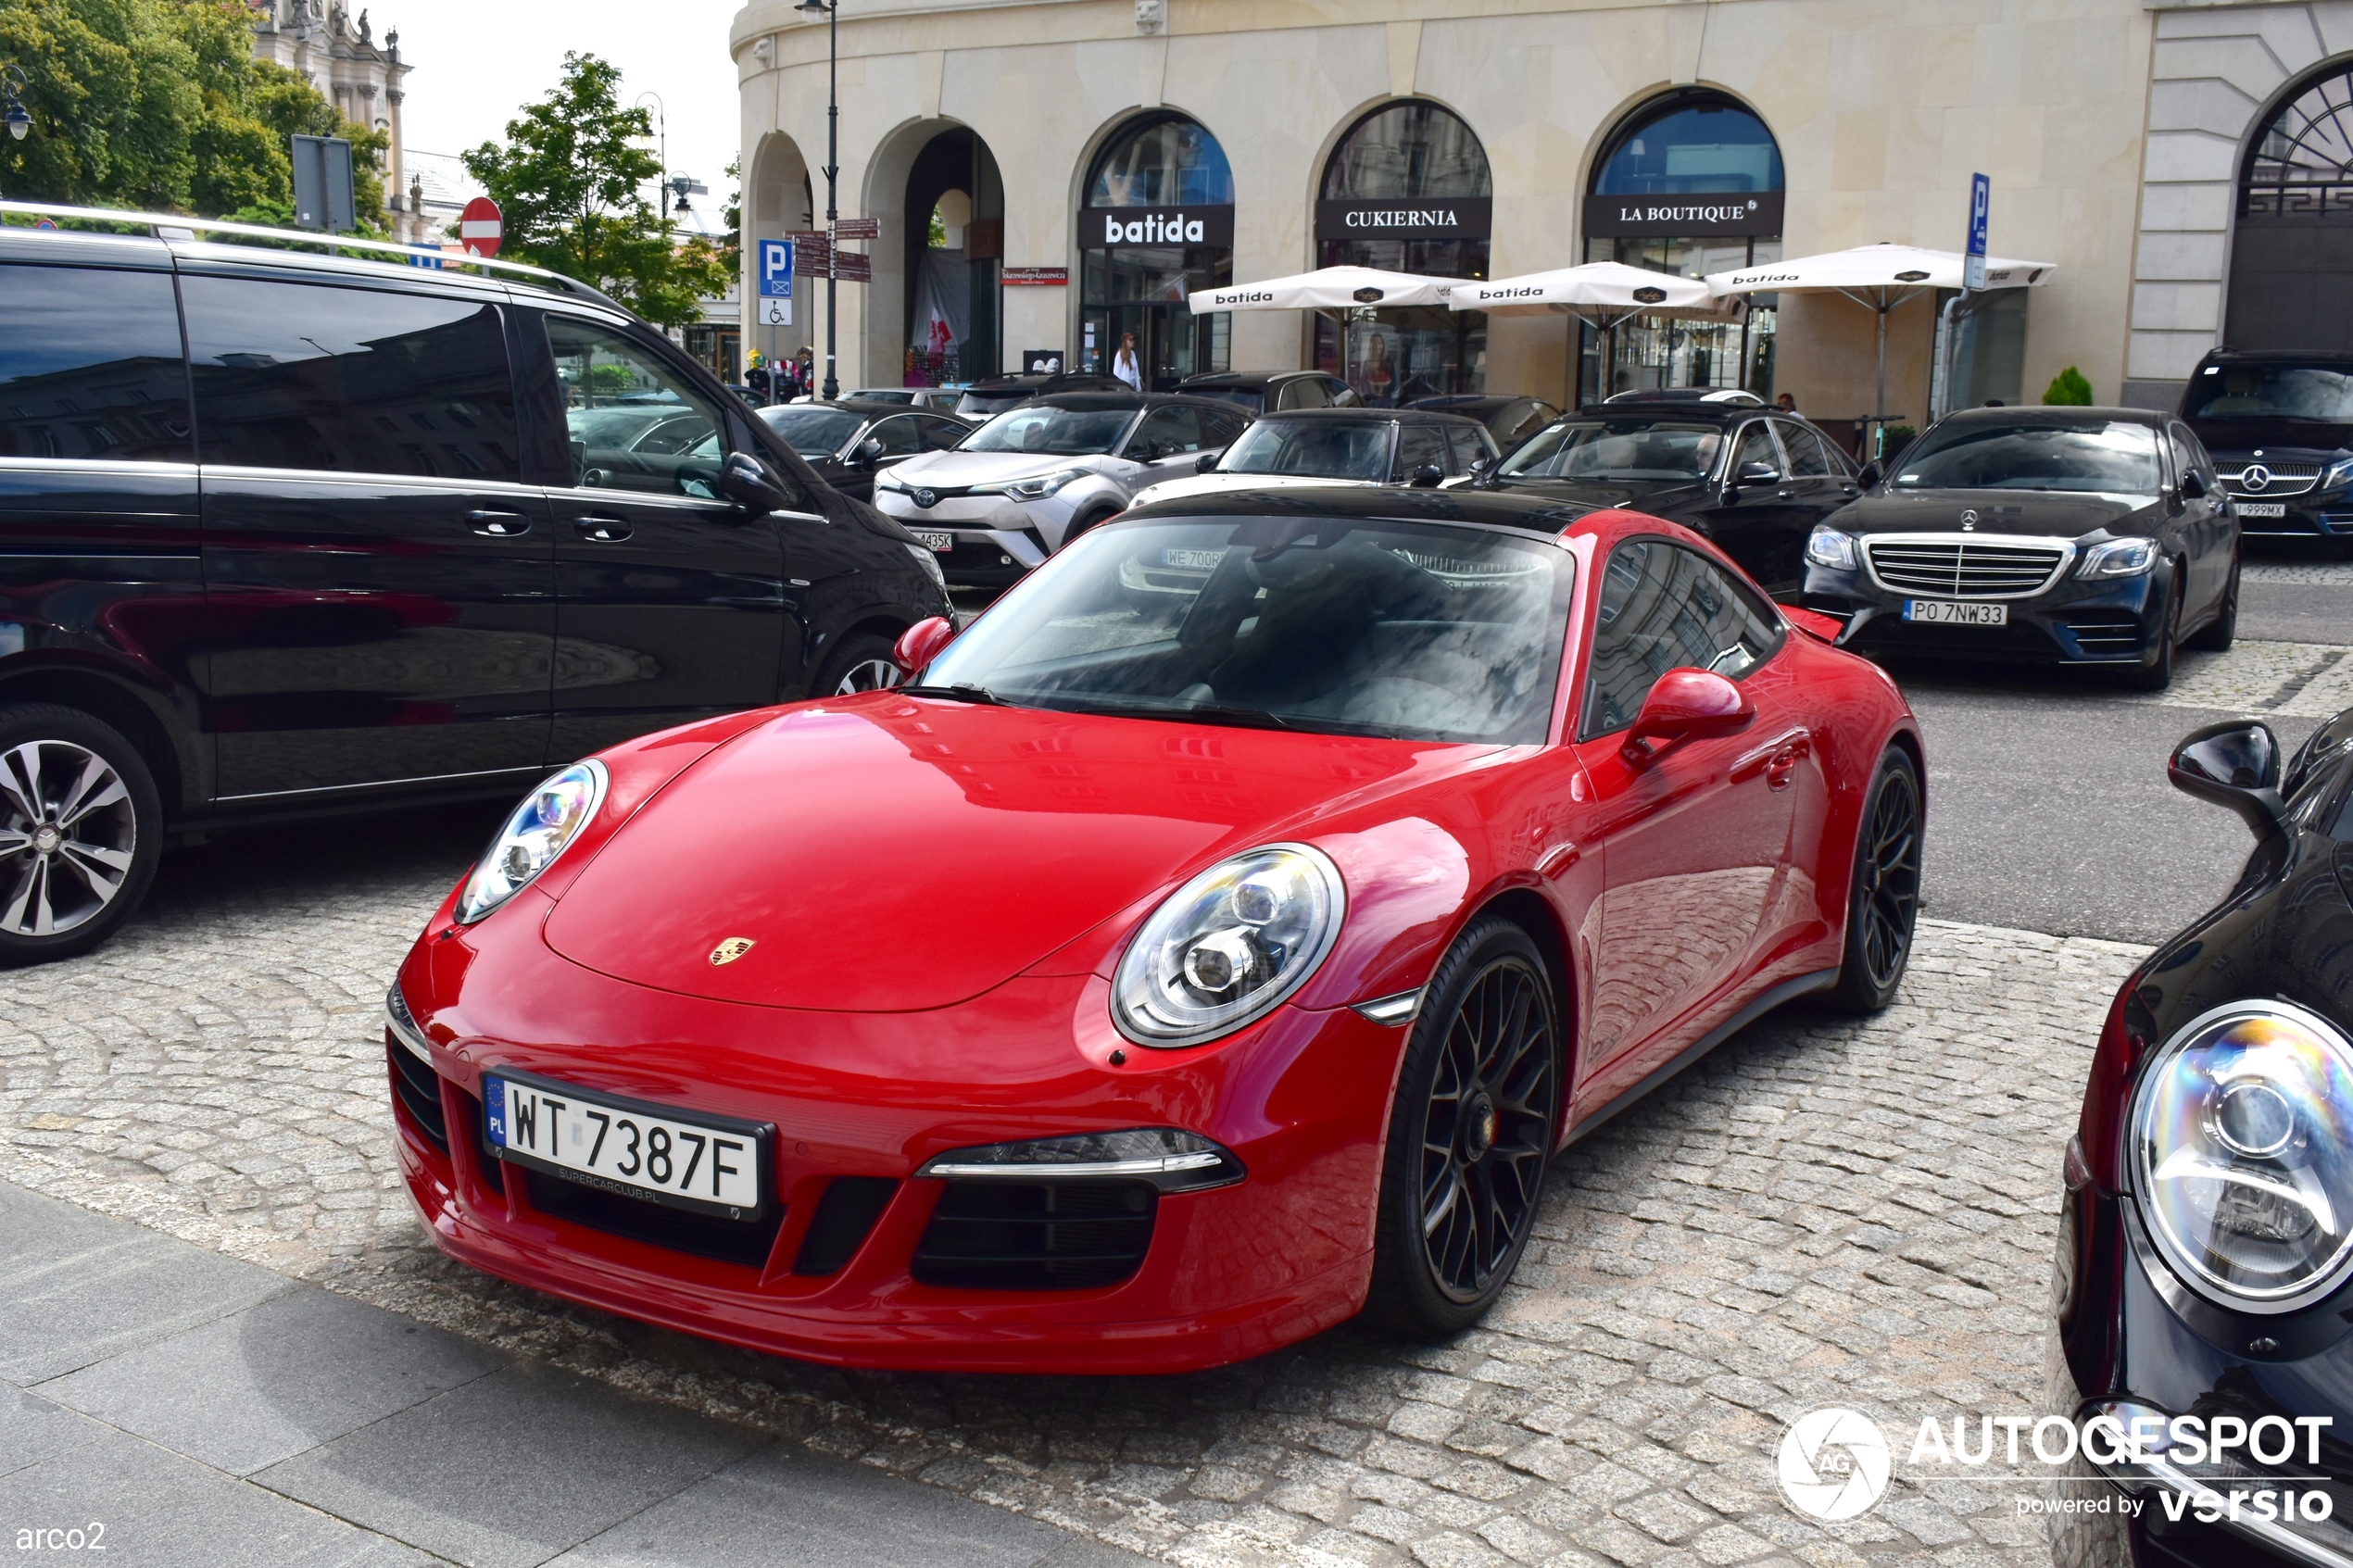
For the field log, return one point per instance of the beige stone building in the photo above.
(1051, 175)
(338, 51)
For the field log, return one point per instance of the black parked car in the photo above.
(367, 539)
(1324, 447)
(847, 443)
(1510, 419)
(991, 395)
(1753, 481)
(1274, 391)
(2082, 535)
(2203, 1287)
(2281, 428)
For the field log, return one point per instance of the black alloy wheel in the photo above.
(1884, 901)
(1471, 1133)
(2158, 675)
(2216, 634)
(81, 831)
(861, 663)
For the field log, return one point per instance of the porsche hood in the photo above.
(891, 855)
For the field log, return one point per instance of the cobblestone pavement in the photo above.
(1825, 1212)
(2335, 573)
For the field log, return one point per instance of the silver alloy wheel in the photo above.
(867, 675)
(68, 834)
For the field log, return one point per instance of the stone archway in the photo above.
(912, 170)
(777, 199)
(2292, 230)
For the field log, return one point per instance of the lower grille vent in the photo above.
(743, 1242)
(2102, 639)
(1036, 1236)
(418, 1088)
(845, 1217)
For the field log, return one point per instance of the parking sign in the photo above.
(1980, 208)
(776, 282)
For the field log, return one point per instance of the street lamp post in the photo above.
(831, 11)
(661, 138)
(12, 85)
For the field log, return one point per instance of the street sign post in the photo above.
(1980, 208)
(776, 282)
(480, 227)
(858, 228)
(322, 190)
(426, 256)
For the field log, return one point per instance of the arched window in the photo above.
(1407, 190)
(2289, 286)
(1156, 223)
(1688, 183)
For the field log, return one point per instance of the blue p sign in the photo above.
(775, 268)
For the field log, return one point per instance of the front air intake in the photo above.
(1062, 1234)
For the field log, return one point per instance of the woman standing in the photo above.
(1123, 364)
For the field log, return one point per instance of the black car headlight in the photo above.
(2119, 557)
(533, 835)
(2242, 1155)
(1228, 946)
(1169, 1158)
(1827, 547)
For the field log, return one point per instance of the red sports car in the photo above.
(1217, 939)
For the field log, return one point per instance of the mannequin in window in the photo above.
(1123, 364)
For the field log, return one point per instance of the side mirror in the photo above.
(1687, 704)
(1205, 462)
(922, 642)
(869, 450)
(1430, 476)
(1757, 474)
(2236, 765)
(745, 480)
(1871, 476)
(2192, 486)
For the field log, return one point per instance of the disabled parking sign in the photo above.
(776, 282)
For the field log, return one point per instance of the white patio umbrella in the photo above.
(1878, 277)
(1606, 294)
(1332, 288)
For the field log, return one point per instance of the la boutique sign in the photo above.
(1103, 228)
(1684, 214)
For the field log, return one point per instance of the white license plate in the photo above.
(1955, 612)
(1197, 560)
(2260, 509)
(943, 543)
(712, 1165)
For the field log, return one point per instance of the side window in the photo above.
(355, 381)
(1305, 392)
(1756, 446)
(1466, 446)
(2190, 457)
(1805, 460)
(939, 435)
(1165, 432)
(1664, 607)
(634, 422)
(1342, 394)
(1842, 466)
(1419, 446)
(1221, 430)
(898, 436)
(90, 366)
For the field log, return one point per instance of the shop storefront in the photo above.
(1157, 223)
(1689, 184)
(1407, 190)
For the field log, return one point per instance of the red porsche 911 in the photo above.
(1216, 940)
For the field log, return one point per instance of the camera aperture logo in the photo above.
(1834, 1464)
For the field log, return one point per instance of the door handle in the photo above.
(602, 530)
(499, 525)
(1786, 495)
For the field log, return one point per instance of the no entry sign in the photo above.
(480, 227)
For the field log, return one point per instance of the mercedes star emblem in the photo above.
(926, 498)
(2257, 477)
(1969, 520)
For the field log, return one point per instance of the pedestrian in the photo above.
(1785, 403)
(758, 378)
(1123, 364)
(807, 379)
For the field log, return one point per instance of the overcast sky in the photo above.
(477, 61)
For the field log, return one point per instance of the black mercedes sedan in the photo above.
(1753, 481)
(2066, 534)
(2202, 1292)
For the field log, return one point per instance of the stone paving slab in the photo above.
(1826, 1212)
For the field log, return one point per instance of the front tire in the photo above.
(1470, 1134)
(2157, 674)
(861, 663)
(80, 832)
(1883, 891)
(2216, 634)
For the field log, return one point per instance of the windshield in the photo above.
(814, 432)
(2101, 456)
(1318, 448)
(2322, 394)
(1617, 449)
(1348, 626)
(1040, 427)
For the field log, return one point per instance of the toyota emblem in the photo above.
(926, 498)
(2257, 477)
(1969, 522)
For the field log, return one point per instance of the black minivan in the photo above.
(282, 531)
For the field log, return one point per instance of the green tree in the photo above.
(159, 105)
(570, 184)
(2069, 389)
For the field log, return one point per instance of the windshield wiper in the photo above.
(1208, 712)
(963, 691)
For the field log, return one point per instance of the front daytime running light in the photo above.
(2337, 474)
(533, 835)
(2242, 1156)
(1228, 946)
(1171, 1159)
(1830, 547)
(1045, 484)
(2119, 557)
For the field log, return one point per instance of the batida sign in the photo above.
(1684, 215)
(1101, 228)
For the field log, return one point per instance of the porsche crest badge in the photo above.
(731, 949)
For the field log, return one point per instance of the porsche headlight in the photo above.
(2119, 557)
(533, 835)
(1228, 946)
(2243, 1155)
